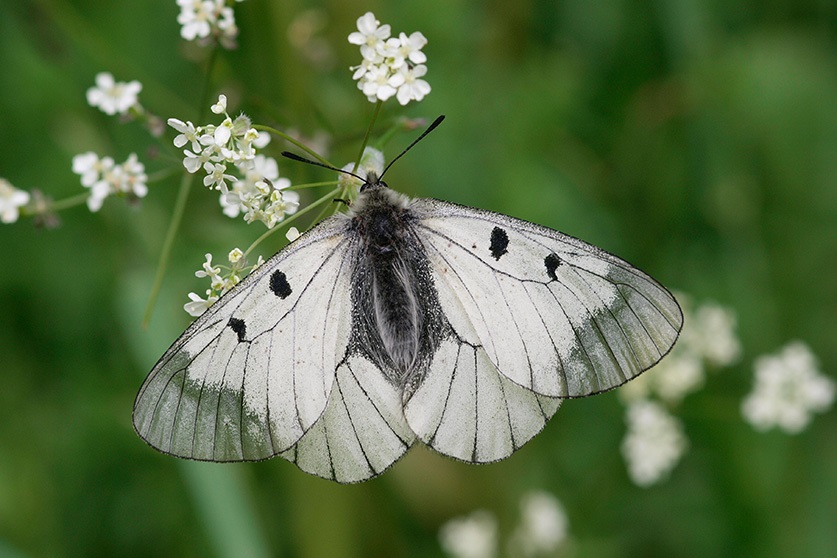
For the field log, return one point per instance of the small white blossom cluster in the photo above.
(105, 178)
(788, 389)
(708, 339)
(390, 66)
(221, 280)
(113, 97)
(472, 536)
(258, 193)
(372, 160)
(202, 19)
(11, 200)
(543, 528)
(654, 443)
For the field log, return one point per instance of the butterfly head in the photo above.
(372, 182)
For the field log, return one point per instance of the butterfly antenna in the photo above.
(418, 139)
(302, 159)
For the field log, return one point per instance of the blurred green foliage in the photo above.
(696, 139)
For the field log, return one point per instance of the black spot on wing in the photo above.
(279, 284)
(552, 261)
(499, 242)
(238, 327)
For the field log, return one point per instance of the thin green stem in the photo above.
(168, 244)
(294, 141)
(368, 133)
(179, 207)
(67, 203)
(291, 219)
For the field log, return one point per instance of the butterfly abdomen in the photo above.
(395, 310)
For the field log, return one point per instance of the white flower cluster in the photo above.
(113, 97)
(654, 443)
(472, 536)
(390, 66)
(542, 529)
(202, 19)
(543, 526)
(105, 178)
(788, 388)
(372, 160)
(258, 192)
(708, 339)
(11, 200)
(221, 280)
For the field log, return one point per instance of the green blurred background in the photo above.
(697, 140)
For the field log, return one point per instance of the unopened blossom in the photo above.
(111, 96)
(11, 200)
(788, 389)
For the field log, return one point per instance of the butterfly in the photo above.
(403, 320)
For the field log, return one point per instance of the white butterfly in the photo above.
(403, 320)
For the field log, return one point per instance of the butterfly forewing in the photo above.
(555, 315)
(254, 373)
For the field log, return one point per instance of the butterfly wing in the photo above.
(464, 408)
(254, 373)
(363, 430)
(554, 315)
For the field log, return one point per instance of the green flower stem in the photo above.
(66, 203)
(179, 206)
(368, 133)
(289, 139)
(168, 244)
(327, 197)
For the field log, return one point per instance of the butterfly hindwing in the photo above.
(254, 373)
(464, 408)
(362, 431)
(554, 314)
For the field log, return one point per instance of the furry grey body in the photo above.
(397, 321)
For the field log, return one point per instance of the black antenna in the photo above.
(418, 139)
(302, 159)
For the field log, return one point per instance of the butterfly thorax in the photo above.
(394, 305)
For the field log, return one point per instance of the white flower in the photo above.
(199, 305)
(113, 97)
(188, 133)
(216, 176)
(292, 234)
(788, 389)
(204, 18)
(543, 525)
(412, 88)
(654, 442)
(104, 178)
(235, 255)
(214, 274)
(474, 536)
(11, 199)
(221, 106)
(370, 33)
(380, 83)
(410, 47)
